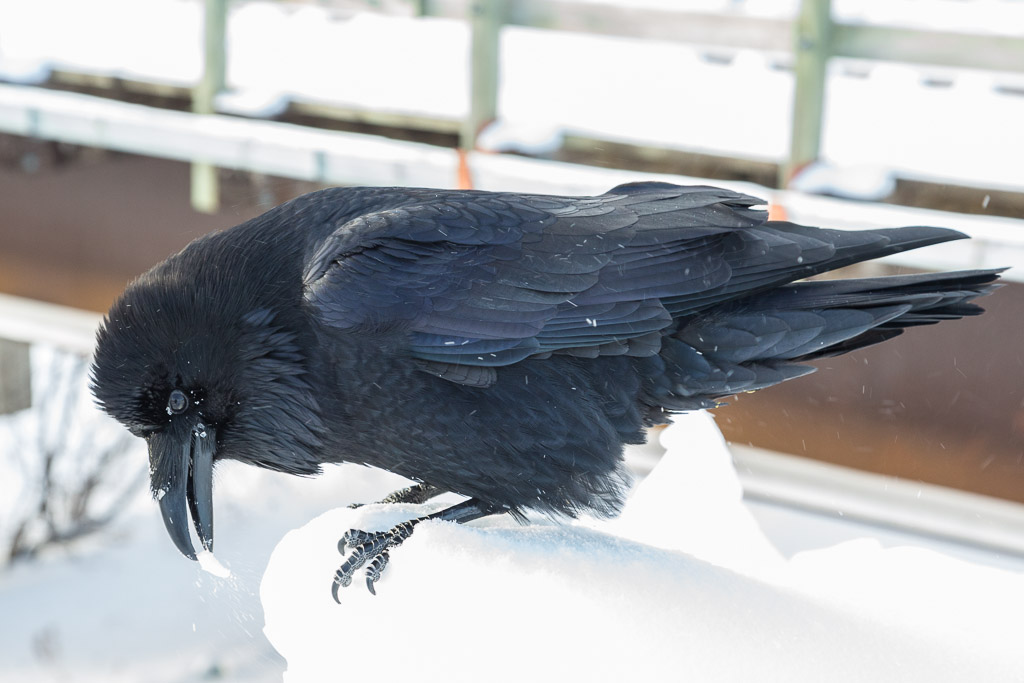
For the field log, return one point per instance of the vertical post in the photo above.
(15, 377)
(485, 20)
(812, 49)
(205, 193)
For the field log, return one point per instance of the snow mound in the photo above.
(682, 585)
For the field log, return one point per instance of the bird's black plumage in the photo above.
(501, 346)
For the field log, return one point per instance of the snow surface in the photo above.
(684, 581)
(682, 585)
(124, 605)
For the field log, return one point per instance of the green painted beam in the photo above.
(971, 51)
(811, 50)
(392, 119)
(205, 191)
(485, 19)
(676, 25)
(15, 376)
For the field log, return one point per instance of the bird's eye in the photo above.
(177, 402)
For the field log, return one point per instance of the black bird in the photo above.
(500, 346)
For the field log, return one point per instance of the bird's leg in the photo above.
(415, 494)
(373, 546)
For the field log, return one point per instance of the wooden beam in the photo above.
(205, 191)
(812, 49)
(391, 119)
(680, 26)
(485, 20)
(698, 28)
(15, 376)
(942, 48)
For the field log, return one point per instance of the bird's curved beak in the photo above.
(181, 476)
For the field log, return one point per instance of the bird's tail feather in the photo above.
(923, 299)
(764, 339)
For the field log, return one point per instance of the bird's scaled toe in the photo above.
(374, 571)
(353, 538)
(340, 581)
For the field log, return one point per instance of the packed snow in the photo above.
(682, 584)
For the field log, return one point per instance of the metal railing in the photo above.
(813, 38)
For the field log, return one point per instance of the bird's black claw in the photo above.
(375, 569)
(340, 581)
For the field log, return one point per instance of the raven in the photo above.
(499, 346)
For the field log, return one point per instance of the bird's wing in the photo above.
(482, 280)
(488, 279)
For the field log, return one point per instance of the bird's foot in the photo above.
(368, 547)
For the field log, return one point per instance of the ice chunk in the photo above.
(211, 565)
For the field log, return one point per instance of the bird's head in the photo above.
(203, 373)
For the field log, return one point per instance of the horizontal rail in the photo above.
(882, 501)
(936, 48)
(737, 30)
(36, 322)
(681, 26)
(270, 147)
(335, 157)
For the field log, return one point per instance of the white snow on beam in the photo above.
(683, 584)
(38, 322)
(268, 147)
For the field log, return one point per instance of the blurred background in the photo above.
(130, 127)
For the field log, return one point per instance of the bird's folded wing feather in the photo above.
(489, 279)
